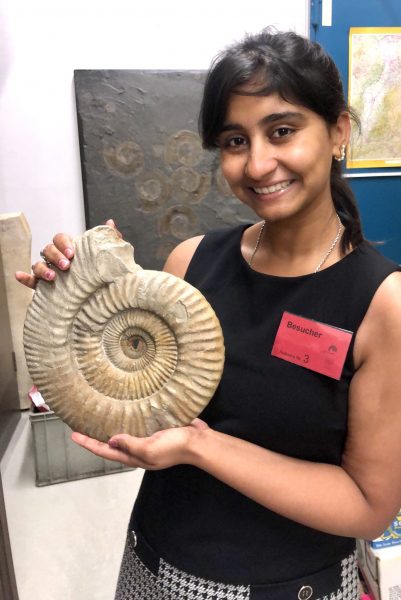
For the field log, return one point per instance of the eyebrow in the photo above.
(272, 118)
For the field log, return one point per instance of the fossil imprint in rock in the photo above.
(114, 348)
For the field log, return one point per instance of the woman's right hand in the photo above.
(57, 254)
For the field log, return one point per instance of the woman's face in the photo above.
(276, 156)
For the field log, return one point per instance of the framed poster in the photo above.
(374, 91)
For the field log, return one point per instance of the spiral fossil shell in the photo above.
(114, 348)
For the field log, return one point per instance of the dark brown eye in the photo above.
(282, 132)
(236, 141)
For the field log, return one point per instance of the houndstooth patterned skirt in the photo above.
(137, 582)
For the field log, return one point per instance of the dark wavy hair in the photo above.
(300, 72)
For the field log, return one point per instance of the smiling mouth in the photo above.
(273, 188)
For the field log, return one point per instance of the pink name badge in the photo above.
(311, 344)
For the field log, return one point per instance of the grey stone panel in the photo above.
(142, 160)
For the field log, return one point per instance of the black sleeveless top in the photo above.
(200, 524)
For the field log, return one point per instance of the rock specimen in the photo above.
(115, 349)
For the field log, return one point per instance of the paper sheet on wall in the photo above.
(375, 93)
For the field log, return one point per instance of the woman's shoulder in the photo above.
(381, 327)
(178, 261)
(386, 304)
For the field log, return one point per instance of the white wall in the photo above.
(42, 42)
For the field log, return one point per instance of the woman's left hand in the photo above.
(163, 449)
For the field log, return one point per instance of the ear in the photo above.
(341, 132)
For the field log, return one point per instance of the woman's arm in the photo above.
(358, 498)
(361, 497)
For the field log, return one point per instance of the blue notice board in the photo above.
(378, 191)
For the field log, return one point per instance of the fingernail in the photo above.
(49, 275)
(113, 444)
(63, 263)
(69, 252)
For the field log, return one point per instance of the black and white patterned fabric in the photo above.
(350, 579)
(180, 585)
(137, 582)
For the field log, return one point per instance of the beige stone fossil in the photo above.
(114, 348)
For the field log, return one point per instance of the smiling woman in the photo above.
(276, 158)
(293, 458)
(277, 101)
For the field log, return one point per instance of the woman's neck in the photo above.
(292, 250)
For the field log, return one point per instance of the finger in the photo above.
(26, 279)
(138, 449)
(55, 257)
(111, 223)
(63, 243)
(104, 450)
(127, 443)
(199, 424)
(42, 271)
(89, 443)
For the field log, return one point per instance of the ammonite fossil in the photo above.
(126, 159)
(114, 348)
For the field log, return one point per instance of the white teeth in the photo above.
(273, 188)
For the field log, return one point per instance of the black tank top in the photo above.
(200, 524)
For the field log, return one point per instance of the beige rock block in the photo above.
(9, 399)
(15, 249)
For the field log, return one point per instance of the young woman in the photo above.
(297, 453)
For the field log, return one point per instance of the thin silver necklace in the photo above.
(325, 257)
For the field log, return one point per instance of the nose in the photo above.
(261, 160)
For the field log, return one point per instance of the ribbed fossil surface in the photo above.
(114, 348)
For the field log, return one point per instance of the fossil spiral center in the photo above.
(127, 355)
(134, 346)
(135, 343)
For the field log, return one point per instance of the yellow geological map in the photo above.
(375, 94)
